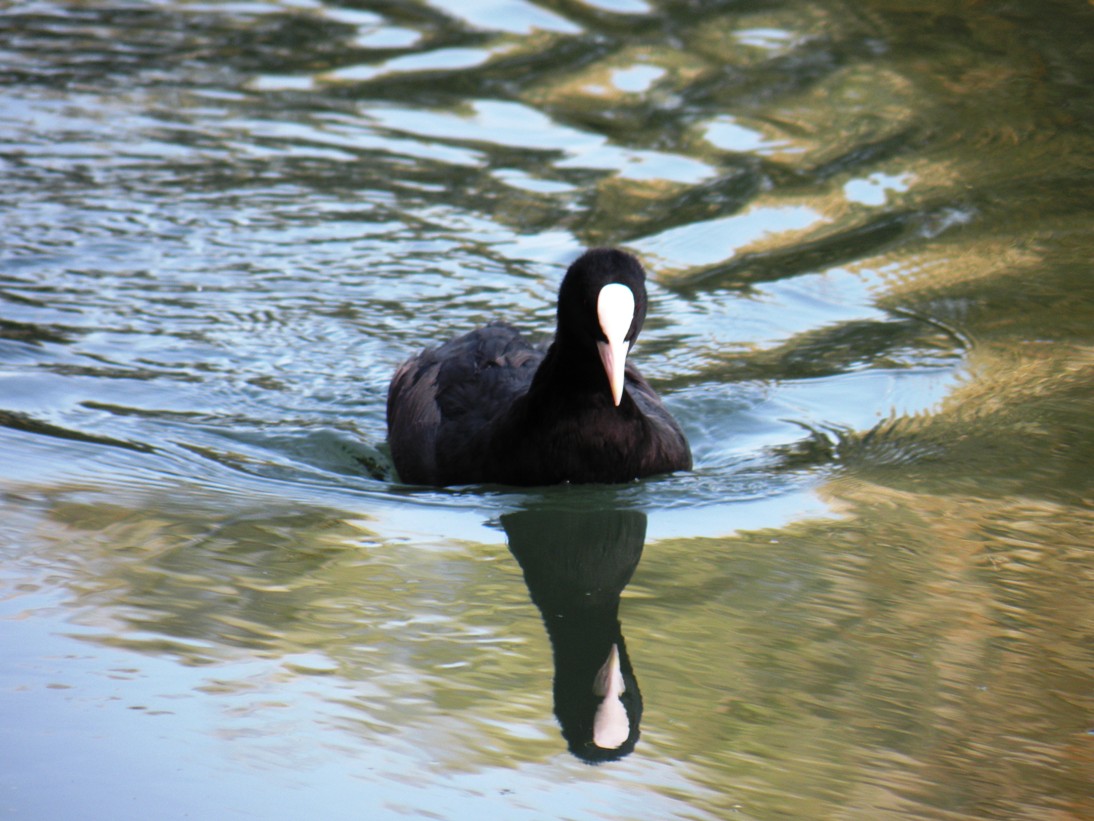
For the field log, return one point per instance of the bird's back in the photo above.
(441, 402)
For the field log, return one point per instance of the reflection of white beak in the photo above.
(611, 727)
(615, 310)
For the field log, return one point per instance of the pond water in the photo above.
(868, 232)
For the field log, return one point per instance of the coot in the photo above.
(489, 407)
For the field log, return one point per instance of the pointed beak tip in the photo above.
(614, 358)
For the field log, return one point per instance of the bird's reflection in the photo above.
(576, 565)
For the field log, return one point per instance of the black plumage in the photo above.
(489, 407)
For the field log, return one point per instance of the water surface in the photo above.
(867, 227)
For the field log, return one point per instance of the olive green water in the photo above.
(868, 230)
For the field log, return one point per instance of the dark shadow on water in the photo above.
(576, 565)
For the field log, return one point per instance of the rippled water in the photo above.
(868, 232)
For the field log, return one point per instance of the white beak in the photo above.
(611, 727)
(615, 311)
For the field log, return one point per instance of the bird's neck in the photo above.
(570, 370)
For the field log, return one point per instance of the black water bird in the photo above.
(490, 407)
